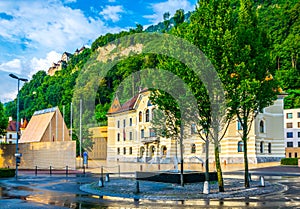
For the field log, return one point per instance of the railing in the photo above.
(51, 170)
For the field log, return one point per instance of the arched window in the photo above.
(152, 151)
(269, 148)
(261, 147)
(142, 133)
(164, 151)
(240, 146)
(262, 127)
(142, 151)
(124, 150)
(193, 148)
(140, 116)
(130, 150)
(147, 115)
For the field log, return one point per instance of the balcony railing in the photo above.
(150, 139)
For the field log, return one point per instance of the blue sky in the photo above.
(34, 33)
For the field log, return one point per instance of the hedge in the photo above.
(7, 172)
(289, 161)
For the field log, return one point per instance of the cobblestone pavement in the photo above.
(126, 188)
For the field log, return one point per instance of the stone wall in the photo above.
(57, 154)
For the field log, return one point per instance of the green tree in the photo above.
(166, 17)
(178, 17)
(292, 100)
(3, 120)
(251, 86)
(139, 28)
(210, 29)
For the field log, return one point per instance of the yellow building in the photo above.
(132, 139)
(99, 138)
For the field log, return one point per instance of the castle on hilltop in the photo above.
(64, 59)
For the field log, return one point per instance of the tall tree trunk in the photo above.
(207, 160)
(181, 156)
(218, 168)
(247, 183)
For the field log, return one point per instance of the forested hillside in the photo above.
(278, 18)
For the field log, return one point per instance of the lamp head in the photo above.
(13, 76)
(23, 79)
(16, 77)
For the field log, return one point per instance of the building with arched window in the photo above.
(143, 145)
(265, 143)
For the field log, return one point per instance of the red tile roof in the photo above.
(12, 126)
(126, 106)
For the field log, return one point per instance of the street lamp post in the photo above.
(17, 154)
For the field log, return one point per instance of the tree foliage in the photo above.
(3, 120)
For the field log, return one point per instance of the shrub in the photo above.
(289, 161)
(7, 172)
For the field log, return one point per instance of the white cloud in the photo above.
(49, 24)
(112, 12)
(69, 1)
(37, 64)
(43, 26)
(8, 96)
(13, 66)
(168, 6)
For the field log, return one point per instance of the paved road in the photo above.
(63, 192)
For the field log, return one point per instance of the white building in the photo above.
(292, 132)
(131, 137)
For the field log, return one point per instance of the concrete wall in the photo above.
(42, 154)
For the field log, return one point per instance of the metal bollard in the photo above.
(50, 170)
(107, 177)
(67, 169)
(119, 170)
(36, 170)
(262, 181)
(141, 167)
(206, 187)
(137, 187)
(100, 184)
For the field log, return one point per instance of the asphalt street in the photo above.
(58, 191)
